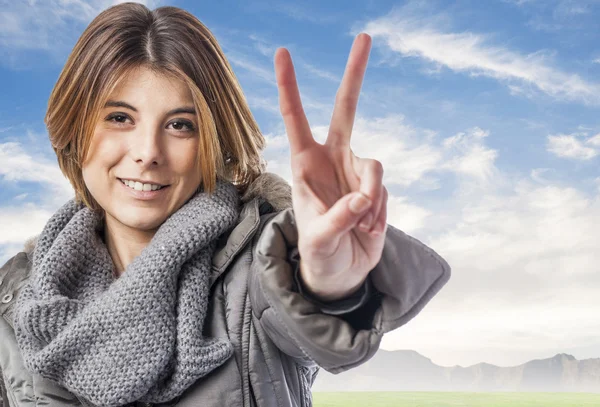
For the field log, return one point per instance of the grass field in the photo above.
(448, 399)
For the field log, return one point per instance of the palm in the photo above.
(322, 176)
(337, 253)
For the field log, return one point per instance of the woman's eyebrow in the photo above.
(184, 109)
(120, 103)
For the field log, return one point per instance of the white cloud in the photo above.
(522, 248)
(21, 222)
(250, 65)
(475, 330)
(537, 175)
(263, 46)
(408, 216)
(268, 104)
(473, 157)
(26, 214)
(524, 263)
(18, 165)
(572, 146)
(410, 156)
(48, 25)
(412, 33)
(594, 141)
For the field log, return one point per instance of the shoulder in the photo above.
(13, 274)
(272, 196)
(19, 262)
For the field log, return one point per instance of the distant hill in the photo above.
(407, 370)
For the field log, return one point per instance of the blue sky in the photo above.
(484, 115)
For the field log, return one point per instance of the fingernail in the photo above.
(366, 223)
(379, 228)
(359, 203)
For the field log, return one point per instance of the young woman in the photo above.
(182, 273)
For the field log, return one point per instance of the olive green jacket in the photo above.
(280, 334)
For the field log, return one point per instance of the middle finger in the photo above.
(347, 95)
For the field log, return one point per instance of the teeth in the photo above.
(138, 186)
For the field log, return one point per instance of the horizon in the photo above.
(488, 363)
(484, 116)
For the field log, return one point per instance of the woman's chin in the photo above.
(142, 221)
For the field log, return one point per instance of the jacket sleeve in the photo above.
(408, 275)
(343, 307)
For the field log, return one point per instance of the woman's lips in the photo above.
(144, 195)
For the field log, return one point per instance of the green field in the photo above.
(448, 399)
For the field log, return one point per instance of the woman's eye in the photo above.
(183, 125)
(121, 119)
(117, 118)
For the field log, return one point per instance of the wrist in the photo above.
(327, 290)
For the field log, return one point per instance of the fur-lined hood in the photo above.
(272, 188)
(268, 186)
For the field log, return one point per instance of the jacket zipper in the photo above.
(246, 391)
(300, 386)
(305, 387)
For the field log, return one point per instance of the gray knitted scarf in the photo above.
(139, 337)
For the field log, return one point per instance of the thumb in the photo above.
(342, 217)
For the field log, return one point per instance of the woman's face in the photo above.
(146, 136)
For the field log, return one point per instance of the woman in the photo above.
(182, 273)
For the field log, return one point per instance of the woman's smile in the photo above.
(141, 191)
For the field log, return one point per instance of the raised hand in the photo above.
(334, 192)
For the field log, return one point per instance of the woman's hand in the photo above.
(333, 190)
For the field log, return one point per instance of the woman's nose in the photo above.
(146, 148)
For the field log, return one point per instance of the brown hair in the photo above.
(171, 41)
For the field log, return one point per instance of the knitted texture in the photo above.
(137, 337)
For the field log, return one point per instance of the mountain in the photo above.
(407, 370)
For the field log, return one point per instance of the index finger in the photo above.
(296, 124)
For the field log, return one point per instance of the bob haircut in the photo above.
(169, 41)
